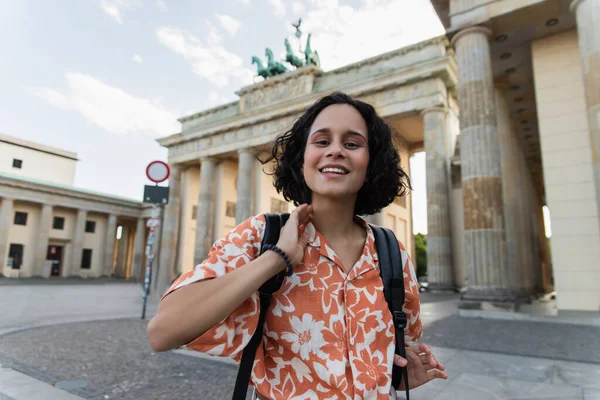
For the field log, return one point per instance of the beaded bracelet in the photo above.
(277, 250)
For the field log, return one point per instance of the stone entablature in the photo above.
(207, 117)
(54, 195)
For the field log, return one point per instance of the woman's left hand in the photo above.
(422, 366)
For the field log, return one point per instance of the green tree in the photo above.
(421, 250)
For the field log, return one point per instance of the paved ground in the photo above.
(37, 304)
(110, 359)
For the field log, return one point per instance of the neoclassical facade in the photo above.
(505, 107)
(51, 229)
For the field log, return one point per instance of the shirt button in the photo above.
(352, 341)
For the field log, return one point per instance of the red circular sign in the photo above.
(158, 171)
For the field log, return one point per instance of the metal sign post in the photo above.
(150, 240)
(157, 171)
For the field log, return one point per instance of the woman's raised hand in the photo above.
(293, 239)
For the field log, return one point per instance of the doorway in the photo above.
(55, 255)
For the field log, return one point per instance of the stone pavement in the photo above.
(36, 304)
(110, 359)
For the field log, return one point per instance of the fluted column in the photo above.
(205, 210)
(140, 233)
(517, 185)
(170, 233)
(42, 239)
(439, 232)
(485, 247)
(109, 244)
(587, 13)
(243, 209)
(77, 243)
(6, 215)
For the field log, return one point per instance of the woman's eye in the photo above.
(352, 145)
(322, 142)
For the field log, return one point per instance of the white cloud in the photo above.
(137, 58)
(53, 97)
(244, 2)
(216, 99)
(114, 8)
(343, 34)
(297, 8)
(161, 5)
(209, 59)
(278, 8)
(111, 108)
(230, 24)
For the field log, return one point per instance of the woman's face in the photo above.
(337, 153)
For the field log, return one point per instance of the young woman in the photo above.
(328, 333)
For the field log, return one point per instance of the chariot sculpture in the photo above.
(273, 68)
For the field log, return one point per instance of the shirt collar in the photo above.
(315, 239)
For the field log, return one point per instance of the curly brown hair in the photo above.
(385, 178)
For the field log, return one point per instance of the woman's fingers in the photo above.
(436, 374)
(304, 212)
(400, 361)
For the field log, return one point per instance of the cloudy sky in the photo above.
(105, 78)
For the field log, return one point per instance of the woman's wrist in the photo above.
(281, 254)
(274, 261)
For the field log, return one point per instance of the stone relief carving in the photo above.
(295, 85)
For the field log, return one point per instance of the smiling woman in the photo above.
(328, 332)
(339, 121)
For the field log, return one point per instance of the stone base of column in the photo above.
(493, 300)
(440, 287)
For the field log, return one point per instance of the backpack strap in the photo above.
(392, 275)
(273, 225)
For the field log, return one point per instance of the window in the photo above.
(194, 212)
(230, 209)
(278, 206)
(17, 163)
(90, 226)
(58, 223)
(20, 218)
(15, 256)
(86, 259)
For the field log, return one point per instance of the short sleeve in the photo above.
(238, 248)
(412, 302)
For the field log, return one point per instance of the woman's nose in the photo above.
(335, 150)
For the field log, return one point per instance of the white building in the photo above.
(50, 228)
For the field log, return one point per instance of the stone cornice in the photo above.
(206, 112)
(72, 198)
(398, 52)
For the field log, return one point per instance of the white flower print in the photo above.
(307, 336)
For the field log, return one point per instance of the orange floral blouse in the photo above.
(328, 334)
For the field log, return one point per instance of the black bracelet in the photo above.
(277, 250)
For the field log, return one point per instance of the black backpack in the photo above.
(390, 262)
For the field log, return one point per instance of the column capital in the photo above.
(207, 159)
(434, 109)
(574, 4)
(247, 150)
(474, 29)
(175, 168)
